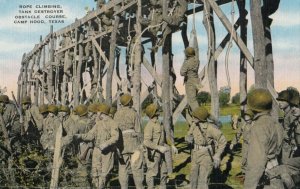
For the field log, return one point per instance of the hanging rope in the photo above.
(229, 45)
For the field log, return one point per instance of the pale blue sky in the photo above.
(17, 39)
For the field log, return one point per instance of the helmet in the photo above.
(190, 51)
(26, 100)
(103, 108)
(64, 108)
(4, 98)
(260, 100)
(43, 108)
(295, 99)
(249, 113)
(109, 12)
(81, 110)
(151, 110)
(93, 108)
(125, 99)
(52, 108)
(284, 95)
(200, 113)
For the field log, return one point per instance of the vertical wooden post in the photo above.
(111, 66)
(21, 79)
(50, 71)
(36, 92)
(42, 94)
(74, 88)
(243, 61)
(77, 87)
(166, 95)
(136, 78)
(208, 22)
(25, 76)
(260, 67)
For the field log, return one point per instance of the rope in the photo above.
(229, 45)
(194, 17)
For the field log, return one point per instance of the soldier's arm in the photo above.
(114, 135)
(257, 159)
(219, 138)
(137, 126)
(184, 68)
(148, 133)
(90, 135)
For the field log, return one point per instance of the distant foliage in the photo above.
(236, 99)
(224, 96)
(203, 97)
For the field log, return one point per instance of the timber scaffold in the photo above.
(53, 71)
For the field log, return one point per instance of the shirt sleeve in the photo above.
(114, 135)
(90, 135)
(148, 137)
(257, 158)
(184, 68)
(220, 139)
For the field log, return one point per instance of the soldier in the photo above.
(189, 70)
(283, 99)
(244, 131)
(96, 93)
(49, 128)
(81, 177)
(155, 142)
(296, 130)
(265, 142)
(10, 129)
(105, 135)
(130, 142)
(204, 136)
(32, 121)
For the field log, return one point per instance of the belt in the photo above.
(271, 164)
(201, 147)
(128, 131)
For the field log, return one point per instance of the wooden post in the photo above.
(77, 87)
(42, 97)
(136, 78)
(36, 92)
(260, 67)
(166, 96)
(21, 79)
(243, 61)
(74, 84)
(110, 69)
(50, 71)
(208, 22)
(25, 76)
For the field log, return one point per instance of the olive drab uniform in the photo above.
(205, 136)
(80, 177)
(104, 133)
(154, 137)
(289, 123)
(244, 130)
(189, 70)
(265, 144)
(48, 130)
(130, 140)
(32, 121)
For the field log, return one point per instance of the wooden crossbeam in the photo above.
(235, 35)
(102, 54)
(151, 70)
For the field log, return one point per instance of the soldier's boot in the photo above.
(138, 181)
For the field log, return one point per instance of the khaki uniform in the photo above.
(48, 129)
(205, 135)
(130, 140)
(154, 136)
(266, 138)
(32, 121)
(289, 124)
(244, 131)
(189, 70)
(106, 133)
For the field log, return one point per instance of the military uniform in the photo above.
(204, 136)
(189, 70)
(154, 141)
(265, 144)
(130, 141)
(288, 124)
(105, 135)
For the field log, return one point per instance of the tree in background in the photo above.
(203, 98)
(224, 96)
(236, 99)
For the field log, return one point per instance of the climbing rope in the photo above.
(229, 45)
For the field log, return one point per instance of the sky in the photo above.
(17, 39)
